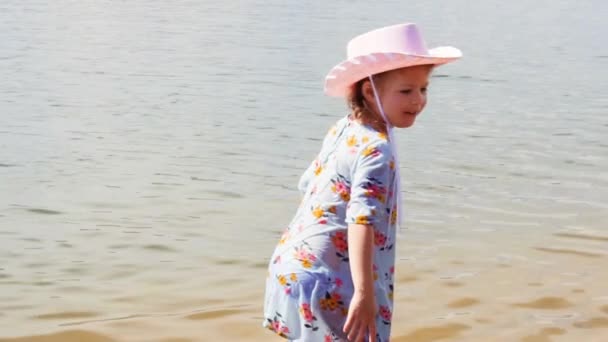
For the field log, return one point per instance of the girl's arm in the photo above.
(371, 177)
(360, 252)
(361, 317)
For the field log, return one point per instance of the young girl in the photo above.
(331, 277)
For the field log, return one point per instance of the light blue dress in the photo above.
(309, 284)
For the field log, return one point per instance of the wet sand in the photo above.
(445, 292)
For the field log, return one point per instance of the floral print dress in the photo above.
(309, 284)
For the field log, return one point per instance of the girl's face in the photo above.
(402, 94)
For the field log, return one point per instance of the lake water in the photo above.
(150, 150)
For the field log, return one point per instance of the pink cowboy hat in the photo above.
(384, 49)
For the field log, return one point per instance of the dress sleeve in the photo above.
(370, 184)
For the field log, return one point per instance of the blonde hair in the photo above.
(361, 111)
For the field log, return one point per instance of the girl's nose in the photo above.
(417, 99)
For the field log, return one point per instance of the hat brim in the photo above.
(344, 75)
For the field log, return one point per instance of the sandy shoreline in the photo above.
(447, 293)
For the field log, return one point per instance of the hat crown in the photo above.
(402, 38)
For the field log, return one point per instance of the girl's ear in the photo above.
(368, 91)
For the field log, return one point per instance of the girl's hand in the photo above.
(361, 317)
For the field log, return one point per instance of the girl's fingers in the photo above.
(372, 331)
(362, 331)
(358, 332)
(354, 330)
(348, 324)
(354, 336)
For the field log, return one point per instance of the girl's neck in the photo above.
(374, 122)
